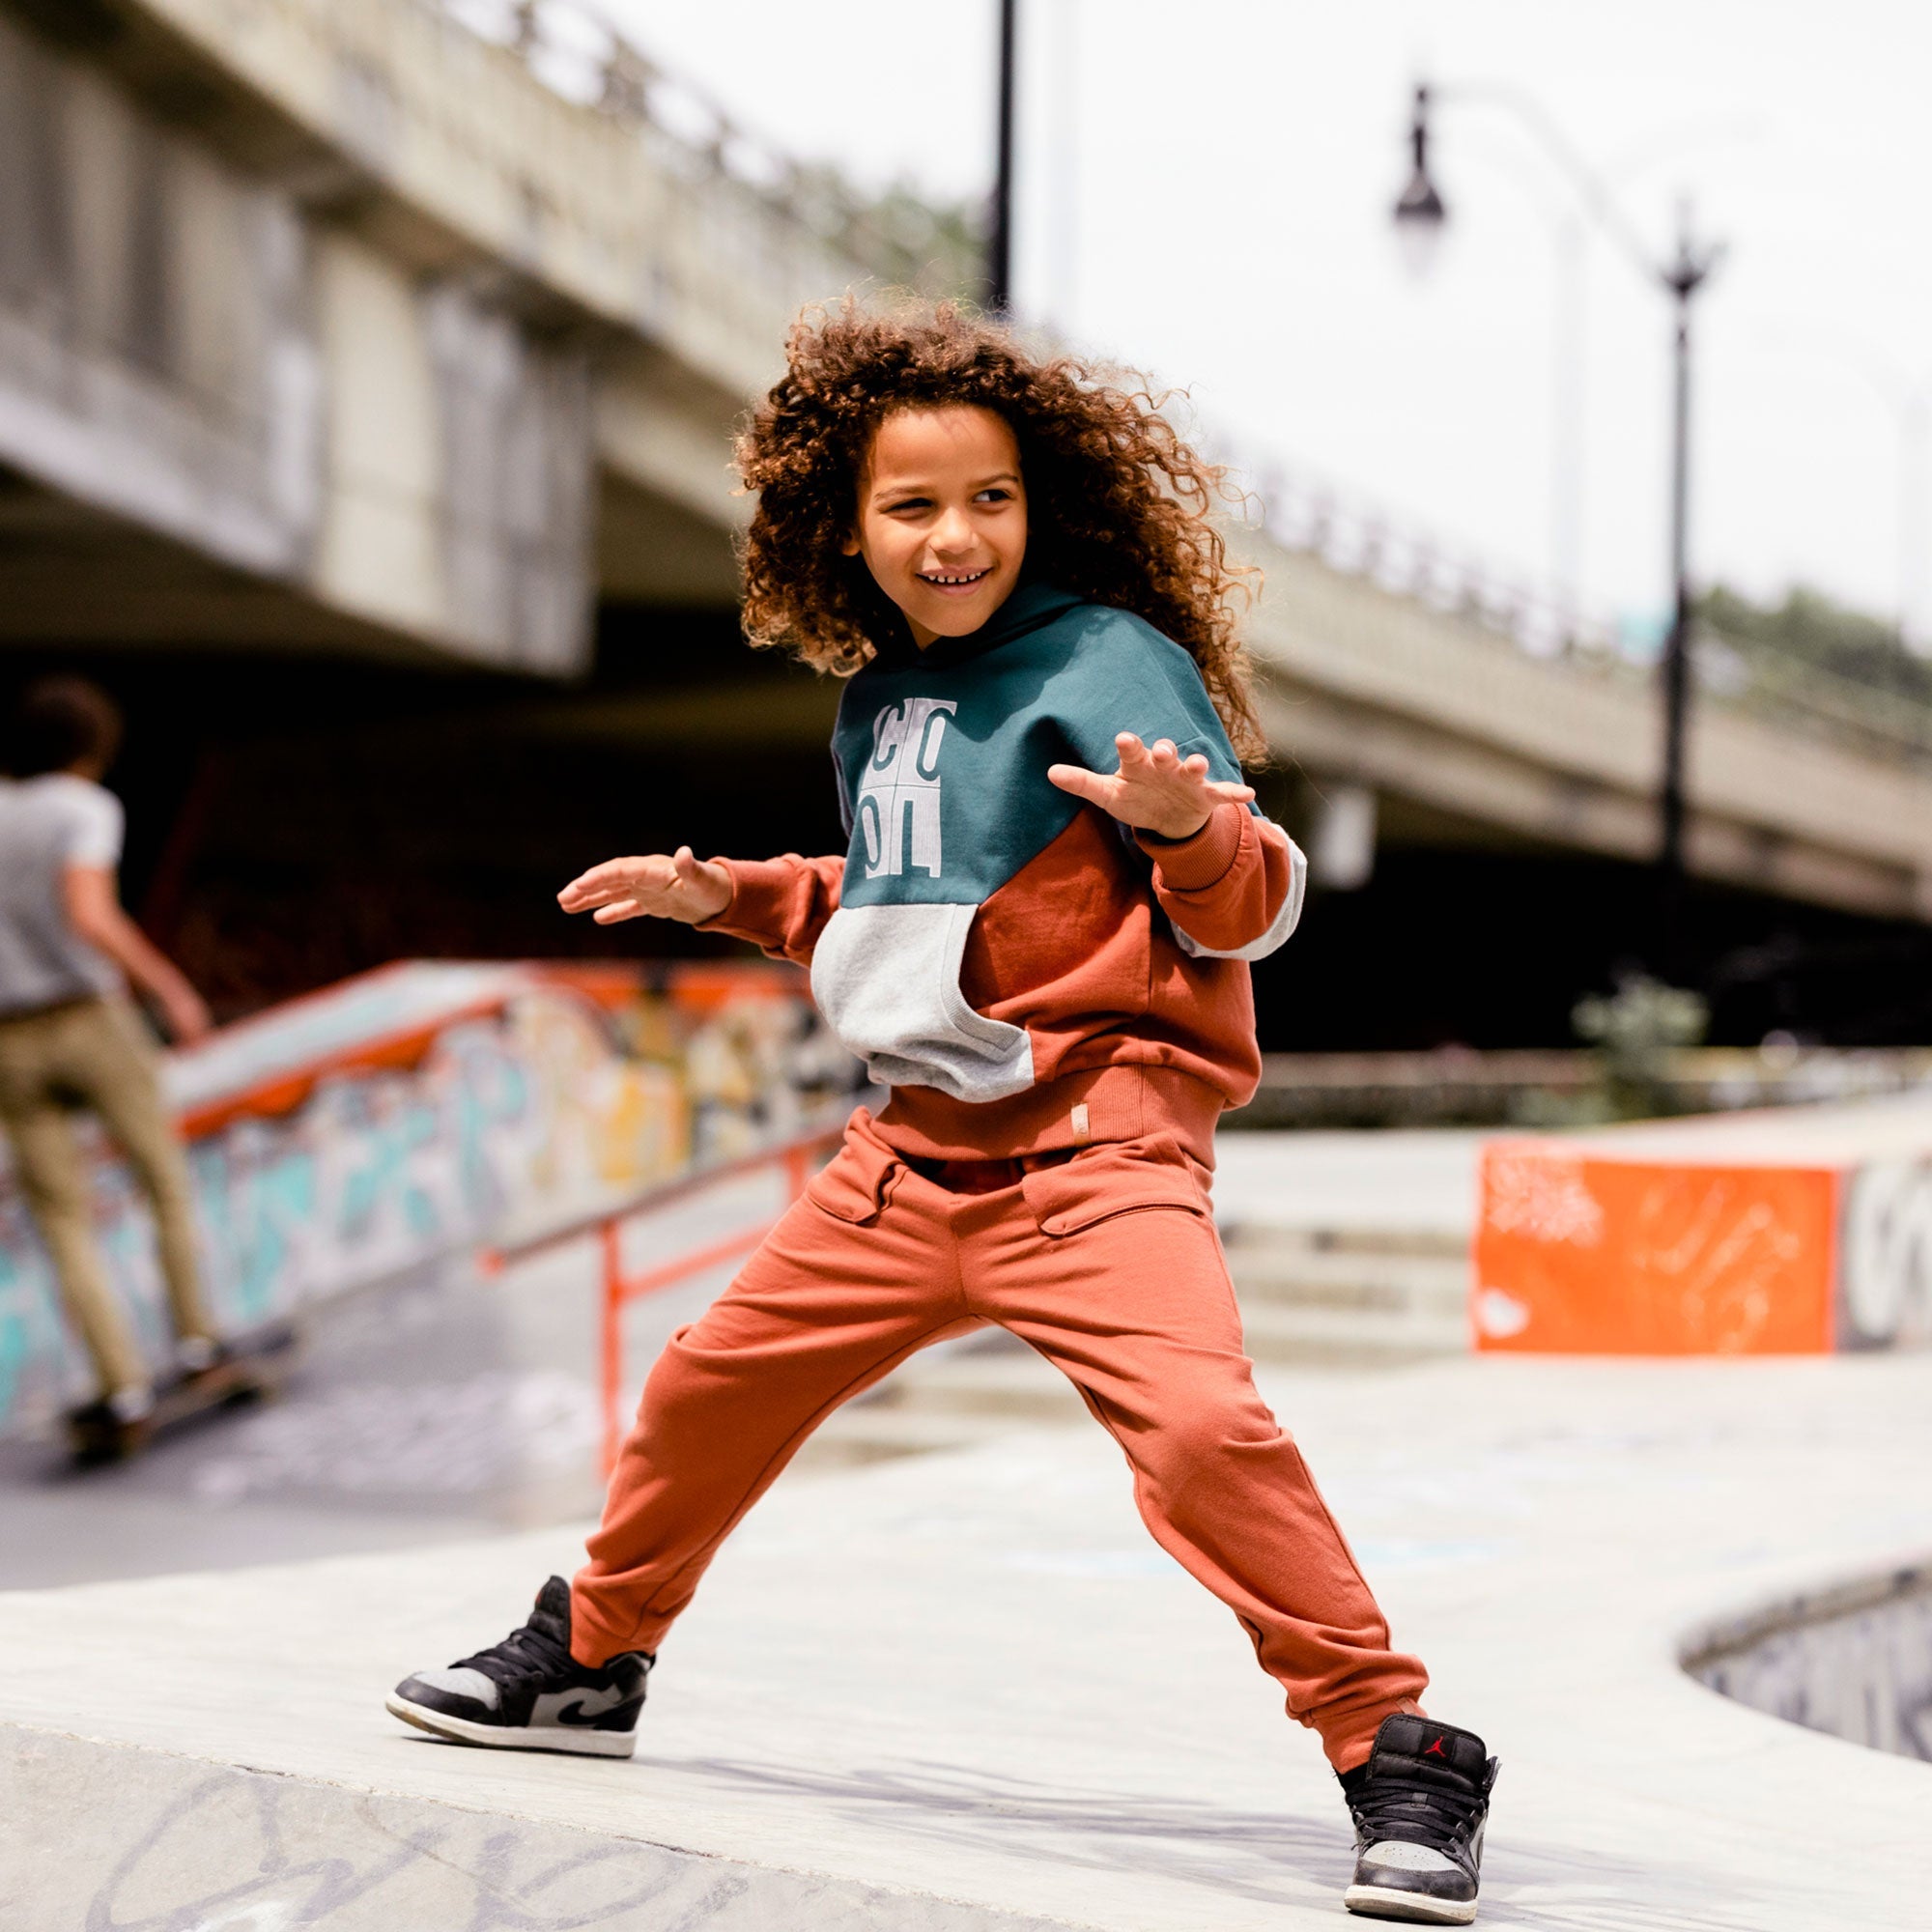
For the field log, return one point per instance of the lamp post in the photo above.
(1420, 217)
(1000, 230)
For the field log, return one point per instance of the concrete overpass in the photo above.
(330, 322)
(414, 328)
(1465, 714)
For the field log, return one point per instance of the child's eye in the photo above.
(998, 493)
(908, 503)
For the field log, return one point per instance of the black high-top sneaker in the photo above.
(530, 1694)
(1419, 1806)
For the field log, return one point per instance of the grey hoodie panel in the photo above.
(886, 979)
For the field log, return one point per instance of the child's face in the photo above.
(942, 519)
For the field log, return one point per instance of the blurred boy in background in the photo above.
(69, 1036)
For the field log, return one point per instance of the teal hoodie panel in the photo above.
(943, 754)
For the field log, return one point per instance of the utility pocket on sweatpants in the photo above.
(1095, 1186)
(856, 1182)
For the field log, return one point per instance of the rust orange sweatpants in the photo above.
(1108, 1264)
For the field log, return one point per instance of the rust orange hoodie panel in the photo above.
(1020, 970)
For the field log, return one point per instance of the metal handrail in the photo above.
(619, 1289)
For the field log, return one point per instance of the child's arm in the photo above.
(780, 904)
(1230, 882)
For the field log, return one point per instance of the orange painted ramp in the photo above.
(1578, 1254)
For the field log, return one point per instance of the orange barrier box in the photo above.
(1797, 1231)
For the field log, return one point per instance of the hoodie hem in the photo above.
(1109, 1103)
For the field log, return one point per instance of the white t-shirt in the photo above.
(46, 825)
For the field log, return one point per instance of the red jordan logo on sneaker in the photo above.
(1436, 1750)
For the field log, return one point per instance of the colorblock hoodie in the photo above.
(1025, 972)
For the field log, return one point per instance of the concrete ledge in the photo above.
(184, 1843)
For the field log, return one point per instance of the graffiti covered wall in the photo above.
(1885, 1264)
(364, 1131)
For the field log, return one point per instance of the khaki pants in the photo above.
(96, 1054)
(1108, 1264)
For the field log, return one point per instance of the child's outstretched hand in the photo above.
(680, 887)
(1156, 789)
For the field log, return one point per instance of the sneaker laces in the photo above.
(1434, 1814)
(526, 1652)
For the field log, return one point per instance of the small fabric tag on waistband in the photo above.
(1083, 1131)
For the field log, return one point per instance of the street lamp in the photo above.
(1419, 213)
(999, 236)
(1420, 217)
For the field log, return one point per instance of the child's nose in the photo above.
(953, 531)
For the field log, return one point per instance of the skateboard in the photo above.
(254, 1368)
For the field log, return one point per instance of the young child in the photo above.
(1039, 938)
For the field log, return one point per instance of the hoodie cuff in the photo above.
(759, 908)
(1190, 865)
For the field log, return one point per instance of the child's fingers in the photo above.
(631, 879)
(599, 883)
(578, 898)
(1080, 782)
(616, 912)
(1230, 794)
(608, 874)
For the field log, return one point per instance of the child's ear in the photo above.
(850, 546)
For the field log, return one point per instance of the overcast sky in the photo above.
(1206, 187)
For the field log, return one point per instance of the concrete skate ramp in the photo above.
(1854, 1661)
(965, 1690)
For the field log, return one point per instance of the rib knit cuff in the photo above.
(759, 907)
(1188, 864)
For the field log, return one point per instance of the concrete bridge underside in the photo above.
(325, 327)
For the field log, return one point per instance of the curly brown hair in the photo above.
(1117, 504)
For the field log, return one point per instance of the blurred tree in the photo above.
(1636, 1031)
(1811, 630)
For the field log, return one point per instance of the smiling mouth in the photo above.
(953, 579)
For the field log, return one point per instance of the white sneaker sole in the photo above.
(1414, 1908)
(513, 1737)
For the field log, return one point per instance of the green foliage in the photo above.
(1635, 1031)
(936, 249)
(1809, 630)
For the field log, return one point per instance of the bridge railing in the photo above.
(1315, 519)
(577, 50)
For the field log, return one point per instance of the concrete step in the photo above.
(1341, 1296)
(1010, 1385)
(1395, 1291)
(994, 1379)
(1317, 1337)
(1343, 1238)
(874, 1432)
(952, 1397)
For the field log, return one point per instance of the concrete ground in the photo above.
(965, 1690)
